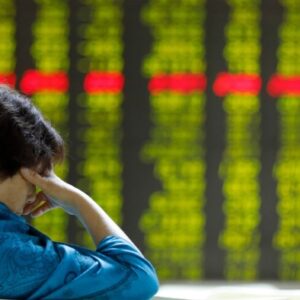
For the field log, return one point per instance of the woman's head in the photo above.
(26, 139)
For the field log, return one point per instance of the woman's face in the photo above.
(18, 192)
(28, 192)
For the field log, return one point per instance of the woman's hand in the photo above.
(54, 193)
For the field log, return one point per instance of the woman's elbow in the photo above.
(152, 286)
(148, 284)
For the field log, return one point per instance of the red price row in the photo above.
(34, 81)
(226, 84)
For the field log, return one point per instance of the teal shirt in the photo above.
(32, 266)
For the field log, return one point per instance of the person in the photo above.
(32, 266)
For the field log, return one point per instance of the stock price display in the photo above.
(193, 104)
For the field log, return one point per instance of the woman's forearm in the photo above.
(57, 193)
(95, 219)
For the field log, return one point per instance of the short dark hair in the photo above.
(26, 138)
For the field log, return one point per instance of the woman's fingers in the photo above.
(50, 184)
(33, 177)
(59, 192)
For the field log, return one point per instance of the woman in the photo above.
(32, 266)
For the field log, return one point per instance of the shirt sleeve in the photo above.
(39, 268)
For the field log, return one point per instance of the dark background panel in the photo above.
(138, 179)
(216, 19)
(25, 15)
(75, 145)
(270, 22)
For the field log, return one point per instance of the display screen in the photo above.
(181, 119)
